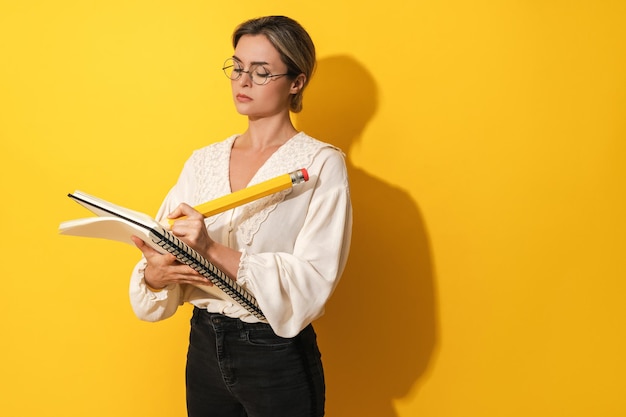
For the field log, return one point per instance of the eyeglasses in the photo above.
(257, 72)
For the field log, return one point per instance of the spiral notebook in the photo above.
(119, 223)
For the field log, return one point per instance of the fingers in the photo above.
(190, 278)
(185, 210)
(151, 255)
(160, 275)
(138, 242)
(141, 245)
(190, 227)
(165, 269)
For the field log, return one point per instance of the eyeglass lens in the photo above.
(258, 73)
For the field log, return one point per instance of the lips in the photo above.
(243, 98)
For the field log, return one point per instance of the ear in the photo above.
(297, 84)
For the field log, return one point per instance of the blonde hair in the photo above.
(292, 42)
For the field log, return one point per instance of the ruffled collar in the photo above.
(212, 169)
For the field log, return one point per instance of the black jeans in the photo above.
(237, 369)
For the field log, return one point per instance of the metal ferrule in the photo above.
(296, 177)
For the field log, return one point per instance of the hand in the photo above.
(164, 269)
(191, 228)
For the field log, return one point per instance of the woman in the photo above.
(287, 249)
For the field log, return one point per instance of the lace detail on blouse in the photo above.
(211, 167)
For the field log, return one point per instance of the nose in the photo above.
(245, 79)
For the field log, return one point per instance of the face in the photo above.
(257, 101)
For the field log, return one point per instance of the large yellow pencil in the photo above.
(248, 194)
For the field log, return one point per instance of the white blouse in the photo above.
(294, 243)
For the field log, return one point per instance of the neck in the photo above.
(268, 132)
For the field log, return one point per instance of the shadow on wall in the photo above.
(380, 329)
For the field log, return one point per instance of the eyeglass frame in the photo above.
(240, 71)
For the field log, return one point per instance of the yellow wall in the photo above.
(486, 143)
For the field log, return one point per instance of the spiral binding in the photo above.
(187, 255)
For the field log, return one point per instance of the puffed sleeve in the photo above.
(149, 305)
(292, 288)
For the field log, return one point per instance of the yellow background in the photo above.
(486, 143)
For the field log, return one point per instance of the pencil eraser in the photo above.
(305, 174)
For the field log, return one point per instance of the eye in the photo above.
(261, 72)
